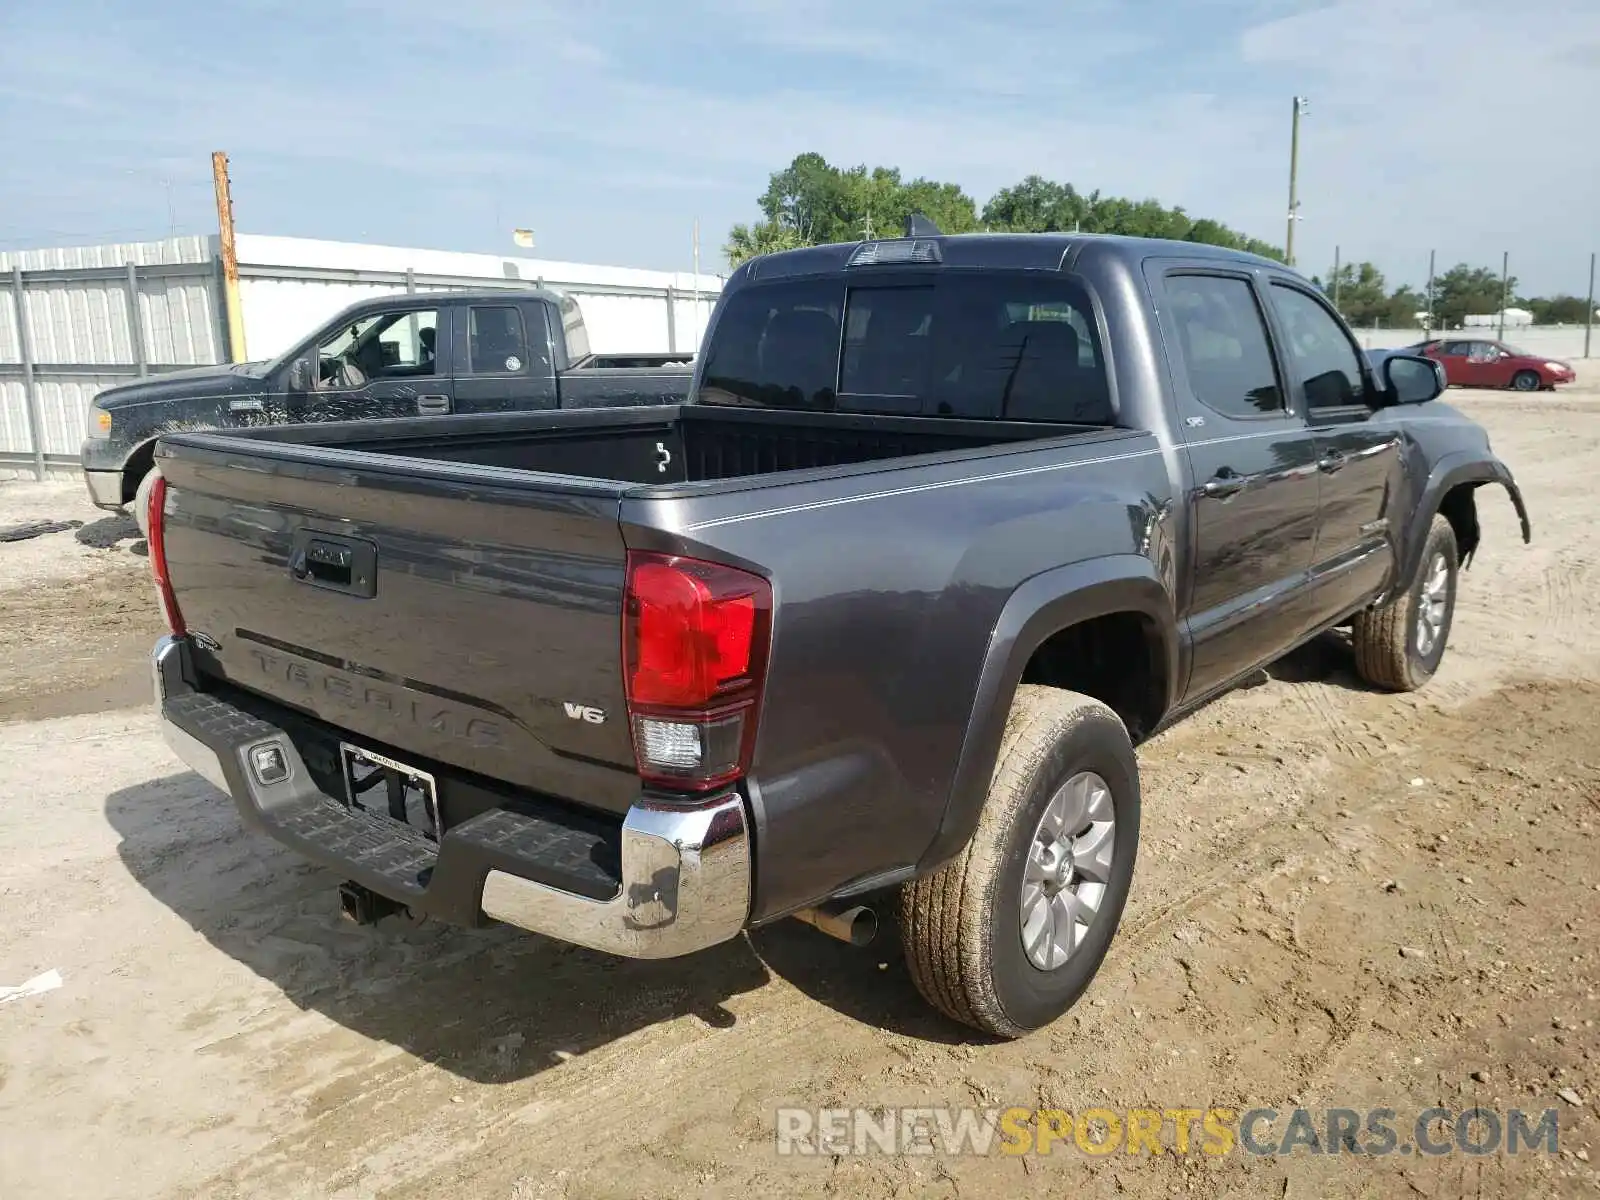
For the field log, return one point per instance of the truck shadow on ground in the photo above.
(1327, 658)
(490, 1005)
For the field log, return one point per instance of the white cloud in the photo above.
(1455, 125)
(1445, 123)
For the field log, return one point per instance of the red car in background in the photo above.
(1484, 362)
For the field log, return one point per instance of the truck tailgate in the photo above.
(466, 614)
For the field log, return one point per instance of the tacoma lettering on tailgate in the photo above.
(399, 706)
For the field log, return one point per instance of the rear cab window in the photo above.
(957, 344)
(1222, 341)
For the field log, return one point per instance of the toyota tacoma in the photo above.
(950, 526)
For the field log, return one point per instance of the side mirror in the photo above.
(1412, 379)
(298, 375)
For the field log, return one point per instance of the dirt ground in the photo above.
(220, 1032)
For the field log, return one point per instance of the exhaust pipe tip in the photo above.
(856, 924)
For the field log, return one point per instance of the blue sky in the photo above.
(1463, 125)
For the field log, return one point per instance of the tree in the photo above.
(811, 201)
(1462, 290)
(1039, 205)
(1556, 310)
(1404, 306)
(763, 237)
(1358, 291)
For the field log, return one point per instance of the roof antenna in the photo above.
(918, 225)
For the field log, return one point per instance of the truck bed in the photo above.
(470, 580)
(690, 443)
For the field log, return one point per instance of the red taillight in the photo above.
(694, 657)
(155, 519)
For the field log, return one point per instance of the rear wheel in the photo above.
(1007, 936)
(1526, 381)
(1399, 644)
(141, 501)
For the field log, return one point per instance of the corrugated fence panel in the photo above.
(689, 321)
(167, 251)
(64, 409)
(86, 321)
(10, 348)
(623, 323)
(181, 321)
(14, 417)
(279, 312)
(80, 322)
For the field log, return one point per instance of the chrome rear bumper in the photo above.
(685, 869)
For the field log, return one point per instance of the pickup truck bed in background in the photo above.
(427, 354)
(643, 678)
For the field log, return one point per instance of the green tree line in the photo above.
(811, 202)
(1364, 297)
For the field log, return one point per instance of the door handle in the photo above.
(433, 404)
(1333, 461)
(1224, 483)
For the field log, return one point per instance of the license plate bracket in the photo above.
(391, 790)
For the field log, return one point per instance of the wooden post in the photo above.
(229, 256)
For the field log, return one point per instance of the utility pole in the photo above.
(1588, 313)
(697, 333)
(1336, 279)
(1505, 279)
(228, 254)
(1429, 330)
(1300, 104)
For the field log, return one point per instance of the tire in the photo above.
(1526, 381)
(963, 924)
(141, 502)
(1391, 651)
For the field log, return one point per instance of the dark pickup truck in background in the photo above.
(428, 354)
(953, 524)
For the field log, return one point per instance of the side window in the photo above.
(407, 344)
(382, 345)
(1330, 370)
(1484, 352)
(1456, 349)
(1222, 339)
(496, 342)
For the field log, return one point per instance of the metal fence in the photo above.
(1557, 341)
(76, 321)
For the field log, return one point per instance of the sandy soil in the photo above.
(222, 1033)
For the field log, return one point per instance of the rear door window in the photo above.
(961, 345)
(496, 345)
(1222, 339)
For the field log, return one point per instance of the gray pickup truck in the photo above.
(952, 525)
(393, 356)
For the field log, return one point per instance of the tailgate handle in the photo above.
(347, 565)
